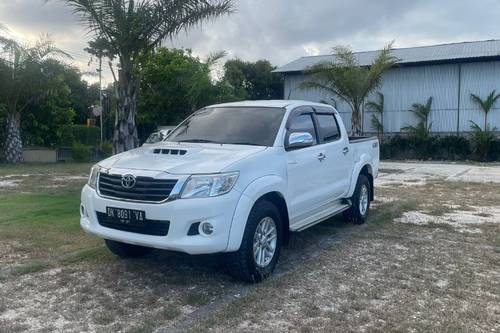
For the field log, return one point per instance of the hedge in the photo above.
(81, 134)
(450, 148)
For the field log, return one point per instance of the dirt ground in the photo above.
(427, 260)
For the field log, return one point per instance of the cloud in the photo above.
(283, 30)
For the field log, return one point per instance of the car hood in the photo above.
(181, 158)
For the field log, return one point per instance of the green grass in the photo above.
(44, 168)
(44, 224)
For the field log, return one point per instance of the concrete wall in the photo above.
(449, 85)
(42, 155)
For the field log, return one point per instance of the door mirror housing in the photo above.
(299, 140)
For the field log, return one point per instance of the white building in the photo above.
(449, 73)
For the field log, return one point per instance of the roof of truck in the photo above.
(269, 104)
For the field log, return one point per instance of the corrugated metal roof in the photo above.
(421, 54)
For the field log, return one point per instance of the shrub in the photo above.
(65, 136)
(483, 142)
(71, 134)
(453, 148)
(81, 152)
(107, 148)
(434, 148)
(87, 135)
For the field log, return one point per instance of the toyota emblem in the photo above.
(128, 181)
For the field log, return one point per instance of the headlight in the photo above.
(204, 186)
(94, 172)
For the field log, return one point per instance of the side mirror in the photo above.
(299, 140)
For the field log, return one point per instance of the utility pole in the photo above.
(100, 92)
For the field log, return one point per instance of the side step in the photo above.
(315, 219)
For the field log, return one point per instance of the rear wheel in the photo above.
(124, 250)
(360, 200)
(261, 244)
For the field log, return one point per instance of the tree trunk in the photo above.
(125, 132)
(356, 122)
(13, 142)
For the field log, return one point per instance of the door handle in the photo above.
(321, 157)
(345, 150)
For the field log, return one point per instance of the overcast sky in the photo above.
(283, 30)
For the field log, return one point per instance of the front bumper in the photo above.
(181, 213)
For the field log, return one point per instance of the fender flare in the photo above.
(253, 192)
(364, 160)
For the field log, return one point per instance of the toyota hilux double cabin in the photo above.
(233, 178)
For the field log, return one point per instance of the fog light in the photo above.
(206, 228)
(83, 211)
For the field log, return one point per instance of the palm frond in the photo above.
(377, 124)
(376, 106)
(422, 112)
(214, 57)
(344, 78)
(487, 104)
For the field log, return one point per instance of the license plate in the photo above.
(126, 215)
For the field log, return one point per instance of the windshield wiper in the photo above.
(243, 143)
(199, 141)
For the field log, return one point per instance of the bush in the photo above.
(81, 152)
(65, 136)
(107, 148)
(87, 135)
(71, 134)
(451, 148)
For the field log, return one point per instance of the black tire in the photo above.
(242, 264)
(354, 213)
(124, 250)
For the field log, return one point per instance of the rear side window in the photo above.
(329, 129)
(303, 123)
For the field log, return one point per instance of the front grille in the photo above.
(146, 227)
(145, 189)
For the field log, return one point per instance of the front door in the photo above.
(306, 170)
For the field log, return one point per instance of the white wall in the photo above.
(407, 85)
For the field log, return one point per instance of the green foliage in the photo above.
(131, 31)
(81, 152)
(377, 119)
(483, 141)
(449, 148)
(253, 80)
(423, 128)
(175, 83)
(486, 105)
(346, 79)
(68, 135)
(87, 135)
(107, 148)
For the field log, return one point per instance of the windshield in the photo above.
(231, 125)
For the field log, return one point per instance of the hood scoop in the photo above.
(163, 151)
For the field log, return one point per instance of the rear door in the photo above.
(338, 157)
(306, 168)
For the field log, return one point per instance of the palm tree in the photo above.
(486, 105)
(132, 29)
(345, 78)
(378, 117)
(423, 128)
(23, 81)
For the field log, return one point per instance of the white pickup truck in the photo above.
(233, 178)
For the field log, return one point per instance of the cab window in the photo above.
(303, 123)
(329, 129)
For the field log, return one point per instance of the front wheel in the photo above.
(358, 213)
(261, 244)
